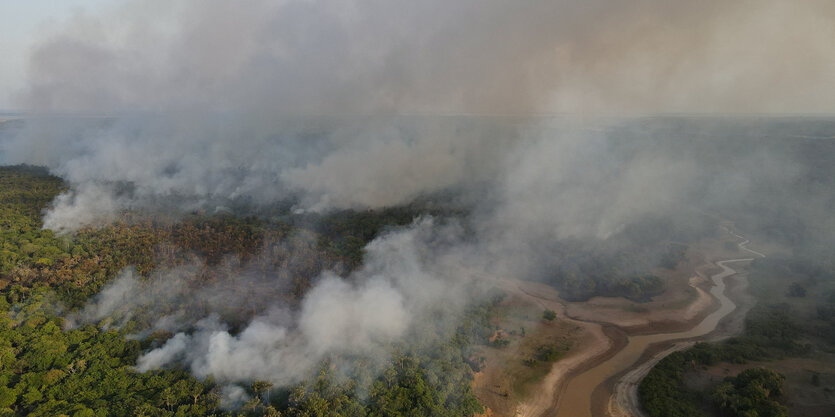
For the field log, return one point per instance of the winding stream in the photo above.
(576, 399)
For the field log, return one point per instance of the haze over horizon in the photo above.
(476, 57)
(257, 191)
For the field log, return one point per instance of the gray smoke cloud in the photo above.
(232, 397)
(339, 57)
(118, 300)
(367, 104)
(217, 101)
(408, 275)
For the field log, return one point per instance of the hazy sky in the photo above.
(490, 56)
(23, 23)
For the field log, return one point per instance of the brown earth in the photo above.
(507, 386)
(736, 290)
(505, 380)
(710, 250)
(597, 329)
(686, 300)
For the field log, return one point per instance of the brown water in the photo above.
(576, 400)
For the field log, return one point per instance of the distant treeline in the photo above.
(622, 264)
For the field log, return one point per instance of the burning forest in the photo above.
(386, 208)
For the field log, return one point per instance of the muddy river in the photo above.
(576, 400)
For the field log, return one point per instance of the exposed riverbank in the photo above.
(610, 388)
(581, 383)
(618, 396)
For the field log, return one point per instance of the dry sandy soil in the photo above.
(598, 328)
(606, 404)
(508, 387)
(595, 330)
(685, 301)
(736, 290)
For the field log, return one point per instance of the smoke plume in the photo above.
(529, 111)
(409, 275)
(215, 102)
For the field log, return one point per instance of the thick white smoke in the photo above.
(408, 275)
(370, 103)
(216, 101)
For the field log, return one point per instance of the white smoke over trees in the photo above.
(413, 274)
(366, 104)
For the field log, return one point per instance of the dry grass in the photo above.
(507, 379)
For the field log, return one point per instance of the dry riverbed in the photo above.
(594, 331)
